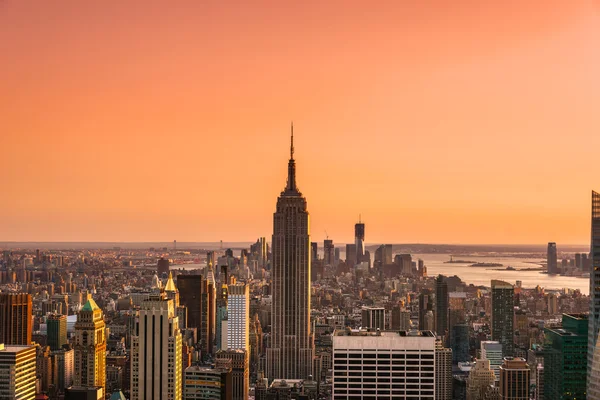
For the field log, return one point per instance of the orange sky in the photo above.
(442, 122)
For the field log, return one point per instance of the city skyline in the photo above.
(403, 115)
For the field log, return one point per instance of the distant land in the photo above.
(412, 248)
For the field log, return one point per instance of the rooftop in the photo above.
(90, 305)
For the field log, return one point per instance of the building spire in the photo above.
(291, 187)
(292, 143)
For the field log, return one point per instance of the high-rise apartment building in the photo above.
(57, 331)
(207, 383)
(238, 317)
(503, 311)
(481, 378)
(15, 318)
(441, 306)
(565, 358)
(552, 259)
(383, 365)
(373, 318)
(291, 353)
(90, 347)
(238, 361)
(492, 351)
(17, 371)
(593, 352)
(189, 287)
(514, 379)
(443, 372)
(156, 352)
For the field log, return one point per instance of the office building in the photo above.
(373, 318)
(65, 363)
(57, 331)
(222, 301)
(156, 352)
(328, 252)
(238, 317)
(189, 287)
(514, 379)
(552, 259)
(425, 306)
(162, 266)
(291, 353)
(460, 343)
(492, 351)
(17, 371)
(15, 319)
(238, 361)
(565, 358)
(443, 372)
(400, 320)
(351, 255)
(207, 383)
(84, 393)
(481, 378)
(593, 352)
(90, 347)
(503, 315)
(359, 241)
(383, 255)
(383, 365)
(441, 306)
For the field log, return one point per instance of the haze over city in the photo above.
(147, 121)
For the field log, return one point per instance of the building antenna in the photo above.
(326, 235)
(292, 143)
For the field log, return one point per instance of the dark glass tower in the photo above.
(593, 363)
(503, 310)
(291, 352)
(441, 306)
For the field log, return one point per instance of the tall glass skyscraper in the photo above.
(291, 352)
(503, 309)
(593, 364)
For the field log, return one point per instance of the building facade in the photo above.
(552, 259)
(207, 383)
(514, 379)
(57, 331)
(90, 347)
(291, 353)
(373, 318)
(443, 372)
(238, 317)
(383, 365)
(503, 309)
(15, 319)
(565, 358)
(593, 351)
(17, 372)
(156, 352)
(238, 361)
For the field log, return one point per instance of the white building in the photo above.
(383, 365)
(238, 318)
(492, 351)
(17, 372)
(156, 348)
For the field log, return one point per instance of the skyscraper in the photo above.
(373, 318)
(503, 315)
(441, 306)
(514, 379)
(565, 358)
(190, 296)
(492, 351)
(90, 347)
(57, 331)
(17, 371)
(552, 259)
(15, 318)
(382, 365)
(291, 353)
(593, 363)
(359, 240)
(162, 266)
(238, 361)
(238, 317)
(328, 252)
(425, 305)
(443, 372)
(156, 352)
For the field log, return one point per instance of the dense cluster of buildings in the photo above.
(289, 320)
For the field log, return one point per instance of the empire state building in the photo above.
(291, 353)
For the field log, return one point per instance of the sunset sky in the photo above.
(439, 121)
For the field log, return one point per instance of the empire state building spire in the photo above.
(291, 189)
